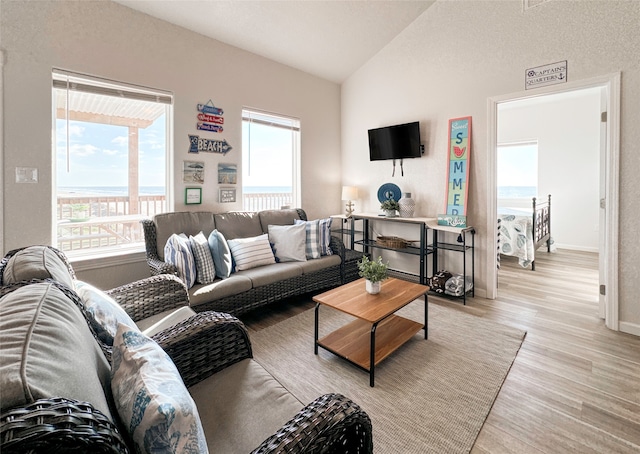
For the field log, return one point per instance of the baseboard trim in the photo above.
(570, 247)
(629, 328)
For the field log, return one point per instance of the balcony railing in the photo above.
(266, 201)
(99, 222)
(92, 222)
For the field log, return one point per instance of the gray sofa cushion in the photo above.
(238, 224)
(221, 288)
(268, 274)
(277, 217)
(311, 266)
(241, 406)
(37, 262)
(189, 223)
(47, 349)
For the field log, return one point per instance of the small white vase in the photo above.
(390, 213)
(372, 287)
(407, 205)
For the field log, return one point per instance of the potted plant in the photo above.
(374, 271)
(389, 207)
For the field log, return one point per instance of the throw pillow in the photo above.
(288, 242)
(151, 398)
(177, 251)
(104, 311)
(221, 254)
(312, 243)
(251, 252)
(205, 270)
(325, 236)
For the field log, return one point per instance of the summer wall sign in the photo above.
(457, 173)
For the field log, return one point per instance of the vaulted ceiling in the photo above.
(329, 38)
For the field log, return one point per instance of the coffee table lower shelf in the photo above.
(366, 345)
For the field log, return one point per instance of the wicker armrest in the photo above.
(337, 246)
(150, 296)
(59, 425)
(157, 267)
(205, 344)
(330, 424)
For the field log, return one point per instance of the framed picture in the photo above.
(193, 196)
(227, 195)
(193, 172)
(227, 173)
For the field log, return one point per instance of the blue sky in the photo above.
(517, 165)
(99, 154)
(271, 157)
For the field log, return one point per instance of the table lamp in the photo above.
(349, 193)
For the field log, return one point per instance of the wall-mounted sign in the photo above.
(208, 127)
(452, 220)
(540, 76)
(458, 168)
(209, 108)
(199, 144)
(211, 118)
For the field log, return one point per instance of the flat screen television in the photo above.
(395, 142)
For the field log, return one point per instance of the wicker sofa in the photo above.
(56, 380)
(248, 289)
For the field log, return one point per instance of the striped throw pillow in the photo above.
(178, 252)
(325, 236)
(205, 269)
(251, 252)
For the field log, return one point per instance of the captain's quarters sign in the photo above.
(541, 76)
(458, 169)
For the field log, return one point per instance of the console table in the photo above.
(369, 243)
(438, 235)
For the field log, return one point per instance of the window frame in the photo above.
(64, 79)
(288, 122)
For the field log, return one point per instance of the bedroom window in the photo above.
(517, 170)
(111, 149)
(270, 161)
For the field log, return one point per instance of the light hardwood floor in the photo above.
(574, 386)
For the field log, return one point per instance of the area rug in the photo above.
(430, 396)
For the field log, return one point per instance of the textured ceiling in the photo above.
(330, 39)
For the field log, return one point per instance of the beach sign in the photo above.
(202, 145)
(457, 189)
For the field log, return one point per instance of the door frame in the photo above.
(611, 85)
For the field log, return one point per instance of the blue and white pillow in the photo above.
(251, 252)
(221, 254)
(152, 400)
(312, 244)
(205, 269)
(104, 311)
(325, 236)
(177, 251)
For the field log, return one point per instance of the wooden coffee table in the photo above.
(377, 331)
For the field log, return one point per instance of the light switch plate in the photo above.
(26, 174)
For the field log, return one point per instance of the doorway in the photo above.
(607, 89)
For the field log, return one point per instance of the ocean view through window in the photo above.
(517, 170)
(270, 161)
(110, 153)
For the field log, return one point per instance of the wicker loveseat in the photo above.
(247, 289)
(56, 380)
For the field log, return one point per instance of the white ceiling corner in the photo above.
(327, 38)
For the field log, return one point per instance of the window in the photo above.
(517, 170)
(270, 161)
(111, 149)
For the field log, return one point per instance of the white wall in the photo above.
(459, 54)
(567, 127)
(109, 40)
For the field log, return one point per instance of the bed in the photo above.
(522, 231)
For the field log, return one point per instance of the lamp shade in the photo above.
(349, 193)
